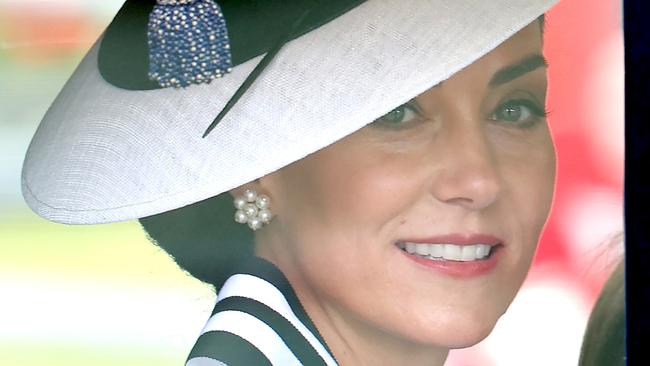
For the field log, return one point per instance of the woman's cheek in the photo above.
(531, 179)
(360, 184)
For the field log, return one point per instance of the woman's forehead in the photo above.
(517, 56)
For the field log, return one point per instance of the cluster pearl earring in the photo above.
(252, 209)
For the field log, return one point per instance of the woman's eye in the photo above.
(403, 114)
(523, 112)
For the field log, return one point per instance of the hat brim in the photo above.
(105, 154)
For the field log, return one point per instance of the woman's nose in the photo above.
(468, 173)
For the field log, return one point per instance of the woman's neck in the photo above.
(355, 342)
(352, 340)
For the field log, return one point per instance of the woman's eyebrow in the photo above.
(514, 71)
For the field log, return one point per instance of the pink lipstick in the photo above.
(456, 255)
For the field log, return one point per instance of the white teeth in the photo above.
(436, 250)
(468, 253)
(410, 247)
(482, 250)
(464, 253)
(422, 249)
(452, 252)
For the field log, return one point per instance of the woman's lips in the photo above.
(457, 255)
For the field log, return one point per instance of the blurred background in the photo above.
(102, 295)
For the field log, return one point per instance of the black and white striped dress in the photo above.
(258, 321)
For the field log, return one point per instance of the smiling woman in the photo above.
(391, 215)
(438, 181)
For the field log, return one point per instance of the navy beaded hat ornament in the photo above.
(188, 43)
(180, 43)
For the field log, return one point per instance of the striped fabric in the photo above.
(258, 321)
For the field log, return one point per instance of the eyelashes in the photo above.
(401, 116)
(523, 113)
(518, 113)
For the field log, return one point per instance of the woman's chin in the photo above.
(461, 333)
(470, 338)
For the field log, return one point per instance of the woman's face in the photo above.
(468, 162)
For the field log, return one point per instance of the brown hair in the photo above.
(604, 340)
(202, 238)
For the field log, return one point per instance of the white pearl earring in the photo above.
(252, 209)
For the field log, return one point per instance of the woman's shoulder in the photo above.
(223, 348)
(258, 320)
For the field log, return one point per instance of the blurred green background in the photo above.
(75, 295)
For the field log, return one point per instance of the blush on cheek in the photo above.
(342, 185)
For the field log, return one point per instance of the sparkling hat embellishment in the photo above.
(188, 43)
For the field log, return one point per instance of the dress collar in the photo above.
(257, 292)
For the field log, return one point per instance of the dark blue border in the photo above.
(636, 16)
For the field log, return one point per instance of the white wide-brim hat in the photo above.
(106, 153)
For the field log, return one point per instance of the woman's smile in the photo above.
(456, 255)
(435, 207)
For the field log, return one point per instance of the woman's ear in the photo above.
(262, 185)
(255, 185)
(239, 191)
(252, 205)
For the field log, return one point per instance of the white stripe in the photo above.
(255, 331)
(204, 361)
(252, 287)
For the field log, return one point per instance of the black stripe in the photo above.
(267, 271)
(298, 344)
(250, 79)
(228, 348)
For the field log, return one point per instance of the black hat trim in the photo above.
(254, 28)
